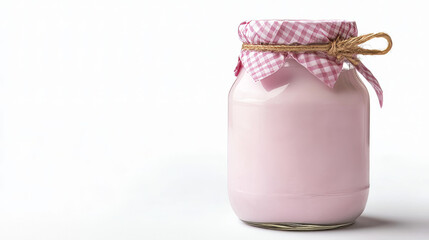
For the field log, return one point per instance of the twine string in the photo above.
(346, 48)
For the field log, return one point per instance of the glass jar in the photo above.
(298, 150)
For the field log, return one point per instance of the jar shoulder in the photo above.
(297, 84)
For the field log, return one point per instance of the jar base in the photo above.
(296, 226)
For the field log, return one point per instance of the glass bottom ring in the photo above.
(296, 226)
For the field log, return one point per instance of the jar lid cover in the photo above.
(261, 64)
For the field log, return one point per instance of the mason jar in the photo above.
(298, 150)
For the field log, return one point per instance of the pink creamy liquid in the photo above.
(298, 151)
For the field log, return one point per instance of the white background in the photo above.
(114, 115)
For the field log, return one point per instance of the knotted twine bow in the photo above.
(347, 48)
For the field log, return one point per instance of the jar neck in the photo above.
(293, 63)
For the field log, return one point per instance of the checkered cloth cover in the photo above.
(260, 65)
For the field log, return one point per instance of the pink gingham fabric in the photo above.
(260, 65)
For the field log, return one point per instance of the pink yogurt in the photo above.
(298, 151)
